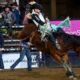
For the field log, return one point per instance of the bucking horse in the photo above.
(66, 42)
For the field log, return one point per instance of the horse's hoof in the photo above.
(70, 77)
(73, 78)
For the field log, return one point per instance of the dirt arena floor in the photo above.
(36, 74)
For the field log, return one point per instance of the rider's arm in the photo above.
(37, 19)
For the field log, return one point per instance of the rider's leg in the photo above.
(52, 38)
(60, 30)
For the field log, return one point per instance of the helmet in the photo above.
(37, 6)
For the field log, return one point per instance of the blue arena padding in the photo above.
(74, 58)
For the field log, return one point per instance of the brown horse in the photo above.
(65, 41)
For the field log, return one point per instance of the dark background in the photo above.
(64, 8)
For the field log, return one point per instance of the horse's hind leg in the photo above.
(68, 68)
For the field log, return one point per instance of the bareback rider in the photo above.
(27, 18)
(41, 21)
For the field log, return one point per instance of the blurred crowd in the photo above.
(10, 14)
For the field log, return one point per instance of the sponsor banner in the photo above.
(9, 59)
(73, 29)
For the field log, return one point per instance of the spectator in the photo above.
(16, 12)
(29, 5)
(9, 19)
(1, 48)
(27, 18)
(25, 51)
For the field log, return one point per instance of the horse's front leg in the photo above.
(68, 68)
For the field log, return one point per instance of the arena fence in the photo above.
(12, 51)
